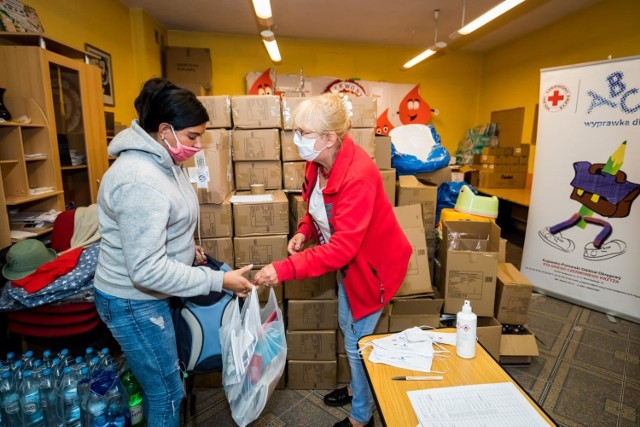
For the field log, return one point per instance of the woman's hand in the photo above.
(295, 244)
(234, 281)
(267, 276)
(200, 258)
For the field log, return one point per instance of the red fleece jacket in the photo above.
(367, 243)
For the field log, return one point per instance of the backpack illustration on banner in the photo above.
(197, 322)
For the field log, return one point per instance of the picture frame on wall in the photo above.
(103, 61)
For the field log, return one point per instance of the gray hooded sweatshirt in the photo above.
(148, 211)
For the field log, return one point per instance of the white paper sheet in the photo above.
(496, 405)
(251, 198)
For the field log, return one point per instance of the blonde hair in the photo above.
(323, 114)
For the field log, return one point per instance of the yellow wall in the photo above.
(511, 74)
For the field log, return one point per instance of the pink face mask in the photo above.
(180, 152)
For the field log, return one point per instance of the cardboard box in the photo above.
(409, 312)
(323, 287)
(469, 274)
(188, 67)
(435, 177)
(521, 150)
(293, 175)
(259, 250)
(268, 172)
(289, 148)
(311, 345)
(389, 183)
(216, 220)
(344, 370)
(502, 251)
(468, 174)
(410, 191)
(311, 315)
(297, 207)
(417, 280)
(256, 111)
(518, 348)
(489, 332)
(220, 248)
(288, 105)
(259, 218)
(382, 154)
(255, 144)
(365, 139)
(307, 374)
(513, 295)
(502, 179)
(210, 170)
(365, 111)
(219, 109)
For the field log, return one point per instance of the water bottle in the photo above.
(89, 354)
(17, 372)
(11, 358)
(70, 399)
(96, 409)
(84, 390)
(65, 357)
(135, 397)
(466, 324)
(31, 401)
(47, 358)
(27, 359)
(49, 399)
(10, 400)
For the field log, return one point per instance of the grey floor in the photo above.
(587, 374)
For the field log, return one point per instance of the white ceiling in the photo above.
(399, 22)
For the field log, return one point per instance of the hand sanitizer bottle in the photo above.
(466, 324)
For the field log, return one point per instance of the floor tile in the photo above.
(597, 320)
(597, 350)
(632, 367)
(630, 411)
(554, 307)
(551, 332)
(535, 377)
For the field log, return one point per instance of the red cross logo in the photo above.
(555, 98)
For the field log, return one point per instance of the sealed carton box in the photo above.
(216, 220)
(289, 149)
(389, 182)
(255, 144)
(188, 67)
(489, 332)
(311, 315)
(417, 280)
(256, 111)
(518, 348)
(220, 248)
(365, 139)
(323, 287)
(410, 191)
(344, 370)
(469, 258)
(293, 174)
(210, 170)
(251, 217)
(435, 177)
(311, 345)
(219, 109)
(513, 295)
(267, 172)
(365, 111)
(259, 250)
(502, 179)
(382, 155)
(311, 374)
(297, 209)
(409, 312)
(289, 104)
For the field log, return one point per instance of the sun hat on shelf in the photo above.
(25, 257)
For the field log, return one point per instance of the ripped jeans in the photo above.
(144, 330)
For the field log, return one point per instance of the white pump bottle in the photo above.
(466, 325)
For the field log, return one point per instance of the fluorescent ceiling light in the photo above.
(262, 8)
(269, 40)
(424, 55)
(488, 16)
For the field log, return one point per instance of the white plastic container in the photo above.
(466, 325)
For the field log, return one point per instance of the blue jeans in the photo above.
(144, 330)
(362, 403)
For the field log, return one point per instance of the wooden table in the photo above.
(391, 396)
(519, 196)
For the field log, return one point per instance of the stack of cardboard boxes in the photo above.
(504, 167)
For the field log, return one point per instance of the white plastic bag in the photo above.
(254, 352)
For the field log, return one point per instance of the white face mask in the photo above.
(306, 146)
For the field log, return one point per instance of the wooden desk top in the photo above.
(391, 396)
(521, 196)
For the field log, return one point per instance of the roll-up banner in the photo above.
(583, 231)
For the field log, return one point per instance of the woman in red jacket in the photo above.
(351, 218)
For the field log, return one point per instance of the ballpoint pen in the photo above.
(416, 378)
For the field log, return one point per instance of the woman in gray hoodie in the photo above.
(148, 212)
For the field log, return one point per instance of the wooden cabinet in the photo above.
(58, 156)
